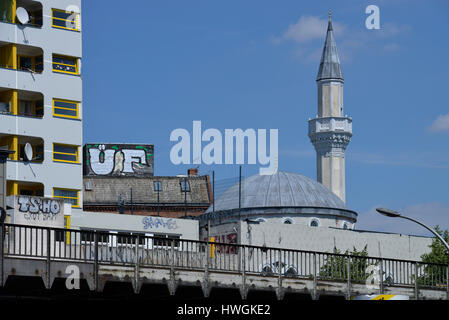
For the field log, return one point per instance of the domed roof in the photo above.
(280, 190)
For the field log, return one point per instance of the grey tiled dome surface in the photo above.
(283, 189)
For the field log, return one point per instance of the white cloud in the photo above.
(431, 214)
(349, 40)
(308, 28)
(440, 124)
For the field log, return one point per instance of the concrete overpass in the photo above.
(103, 257)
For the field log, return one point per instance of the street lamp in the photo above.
(395, 214)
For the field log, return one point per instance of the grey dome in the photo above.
(280, 190)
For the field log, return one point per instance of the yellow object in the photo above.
(65, 64)
(65, 20)
(212, 248)
(65, 108)
(68, 194)
(380, 297)
(67, 221)
(12, 188)
(65, 153)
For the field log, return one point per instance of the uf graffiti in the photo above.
(119, 160)
(150, 223)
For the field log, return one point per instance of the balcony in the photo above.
(8, 12)
(21, 57)
(21, 103)
(330, 124)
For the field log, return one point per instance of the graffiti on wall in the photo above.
(118, 160)
(230, 238)
(38, 209)
(157, 222)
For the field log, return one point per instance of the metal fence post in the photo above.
(136, 268)
(416, 282)
(96, 261)
(48, 257)
(279, 275)
(314, 278)
(243, 249)
(348, 293)
(381, 280)
(206, 270)
(172, 288)
(447, 282)
(2, 255)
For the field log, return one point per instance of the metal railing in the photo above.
(117, 249)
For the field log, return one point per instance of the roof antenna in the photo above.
(330, 15)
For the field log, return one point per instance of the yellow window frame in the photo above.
(63, 115)
(64, 64)
(71, 154)
(77, 198)
(61, 19)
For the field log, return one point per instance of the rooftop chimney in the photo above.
(192, 172)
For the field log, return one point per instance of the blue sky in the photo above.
(156, 66)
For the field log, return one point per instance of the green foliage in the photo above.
(438, 253)
(433, 275)
(336, 266)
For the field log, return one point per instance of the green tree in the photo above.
(431, 274)
(335, 266)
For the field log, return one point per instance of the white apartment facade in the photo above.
(41, 98)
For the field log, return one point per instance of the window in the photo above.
(65, 153)
(65, 20)
(89, 236)
(65, 64)
(185, 186)
(26, 108)
(165, 240)
(25, 63)
(39, 64)
(68, 195)
(314, 223)
(157, 186)
(31, 63)
(288, 221)
(128, 238)
(65, 108)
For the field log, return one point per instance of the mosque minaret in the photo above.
(330, 132)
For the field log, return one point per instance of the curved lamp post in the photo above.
(395, 214)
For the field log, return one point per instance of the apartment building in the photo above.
(41, 98)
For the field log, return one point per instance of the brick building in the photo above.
(171, 197)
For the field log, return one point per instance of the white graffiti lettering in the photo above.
(32, 207)
(119, 160)
(130, 157)
(106, 166)
(150, 223)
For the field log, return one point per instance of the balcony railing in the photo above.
(108, 248)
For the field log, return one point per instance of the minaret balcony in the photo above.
(330, 124)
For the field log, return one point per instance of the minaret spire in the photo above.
(331, 131)
(330, 62)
